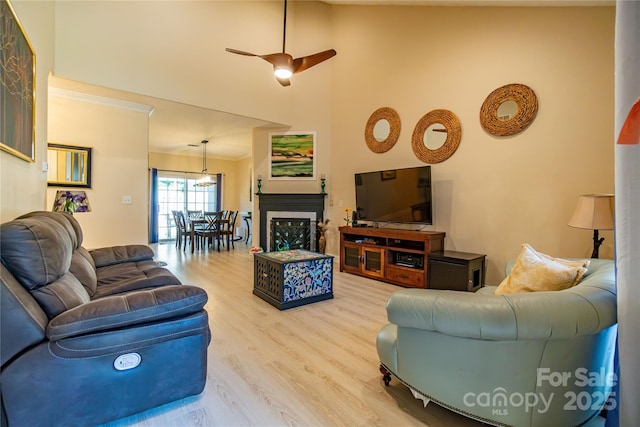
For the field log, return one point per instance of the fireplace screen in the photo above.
(290, 233)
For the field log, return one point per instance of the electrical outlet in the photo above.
(126, 200)
(340, 203)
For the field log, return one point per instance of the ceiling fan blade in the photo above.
(282, 59)
(240, 52)
(272, 58)
(301, 64)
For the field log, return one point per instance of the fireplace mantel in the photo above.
(287, 202)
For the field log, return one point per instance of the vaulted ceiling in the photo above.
(178, 128)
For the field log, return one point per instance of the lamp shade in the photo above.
(71, 201)
(593, 212)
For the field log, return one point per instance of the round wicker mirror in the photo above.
(375, 142)
(452, 127)
(496, 122)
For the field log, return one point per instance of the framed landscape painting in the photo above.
(17, 77)
(292, 155)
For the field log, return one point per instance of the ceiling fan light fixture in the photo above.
(282, 72)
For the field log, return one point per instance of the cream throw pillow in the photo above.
(534, 271)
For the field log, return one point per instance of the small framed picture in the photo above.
(384, 175)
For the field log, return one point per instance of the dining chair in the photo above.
(228, 228)
(175, 224)
(183, 232)
(210, 229)
(194, 214)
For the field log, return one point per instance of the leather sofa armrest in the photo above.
(132, 308)
(22, 320)
(119, 254)
(543, 315)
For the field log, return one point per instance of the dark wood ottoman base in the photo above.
(293, 278)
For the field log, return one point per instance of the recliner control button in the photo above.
(127, 361)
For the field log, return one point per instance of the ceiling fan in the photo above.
(284, 66)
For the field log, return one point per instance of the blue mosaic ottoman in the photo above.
(292, 278)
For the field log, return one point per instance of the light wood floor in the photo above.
(314, 365)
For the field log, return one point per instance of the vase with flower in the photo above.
(348, 218)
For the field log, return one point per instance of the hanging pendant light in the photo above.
(205, 180)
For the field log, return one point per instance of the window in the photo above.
(179, 193)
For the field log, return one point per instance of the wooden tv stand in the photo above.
(393, 256)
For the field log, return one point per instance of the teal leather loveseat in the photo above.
(522, 359)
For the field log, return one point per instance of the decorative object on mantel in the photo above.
(594, 212)
(322, 183)
(323, 226)
(205, 180)
(382, 130)
(71, 201)
(520, 104)
(452, 127)
(17, 133)
(259, 185)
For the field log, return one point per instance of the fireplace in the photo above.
(290, 219)
(291, 233)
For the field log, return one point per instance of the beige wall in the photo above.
(246, 186)
(204, 74)
(491, 196)
(23, 184)
(119, 138)
(494, 193)
(179, 50)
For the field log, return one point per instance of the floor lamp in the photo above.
(594, 212)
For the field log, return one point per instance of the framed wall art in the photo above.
(292, 155)
(17, 80)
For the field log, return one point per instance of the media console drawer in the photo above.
(405, 276)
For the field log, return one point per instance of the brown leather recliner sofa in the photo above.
(92, 336)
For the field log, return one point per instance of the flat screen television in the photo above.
(396, 195)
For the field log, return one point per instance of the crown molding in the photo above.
(479, 3)
(100, 100)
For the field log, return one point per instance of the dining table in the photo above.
(201, 221)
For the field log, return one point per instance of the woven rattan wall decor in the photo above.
(524, 98)
(454, 132)
(391, 116)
